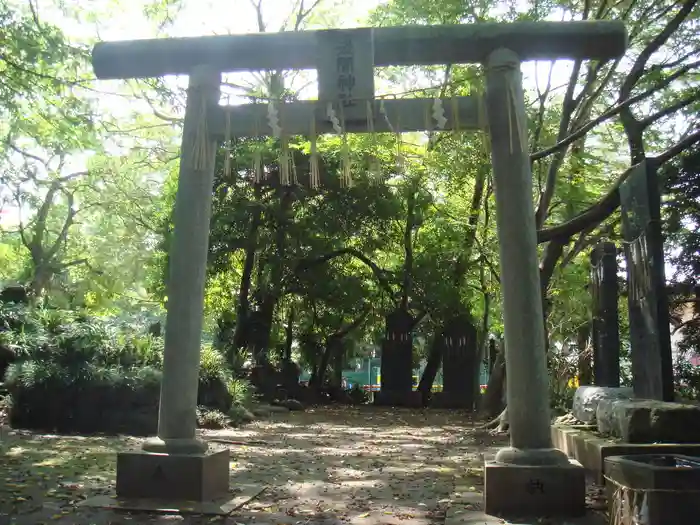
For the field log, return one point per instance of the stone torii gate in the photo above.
(530, 476)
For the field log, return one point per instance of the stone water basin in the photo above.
(665, 488)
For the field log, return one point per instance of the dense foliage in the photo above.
(72, 372)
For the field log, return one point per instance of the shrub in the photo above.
(214, 378)
(241, 391)
(17, 318)
(358, 395)
(211, 419)
(73, 373)
(142, 350)
(240, 415)
(83, 398)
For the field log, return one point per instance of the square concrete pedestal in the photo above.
(522, 491)
(145, 475)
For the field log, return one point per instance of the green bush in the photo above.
(211, 419)
(83, 398)
(73, 373)
(214, 378)
(240, 415)
(241, 391)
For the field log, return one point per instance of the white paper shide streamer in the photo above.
(439, 114)
(285, 164)
(338, 127)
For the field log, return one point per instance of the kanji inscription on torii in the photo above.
(345, 62)
(345, 67)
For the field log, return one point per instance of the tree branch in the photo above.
(342, 332)
(601, 210)
(676, 149)
(35, 13)
(67, 223)
(687, 101)
(542, 97)
(378, 272)
(76, 262)
(258, 13)
(302, 14)
(659, 40)
(26, 154)
(568, 107)
(615, 110)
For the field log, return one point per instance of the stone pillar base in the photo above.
(398, 398)
(197, 477)
(522, 491)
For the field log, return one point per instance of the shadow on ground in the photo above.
(362, 466)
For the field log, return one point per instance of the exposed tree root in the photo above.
(499, 424)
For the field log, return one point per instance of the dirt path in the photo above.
(362, 466)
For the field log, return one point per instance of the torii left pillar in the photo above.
(175, 465)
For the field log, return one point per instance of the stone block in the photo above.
(668, 485)
(590, 449)
(201, 477)
(649, 421)
(399, 398)
(604, 416)
(522, 491)
(587, 398)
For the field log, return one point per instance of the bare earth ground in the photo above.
(326, 466)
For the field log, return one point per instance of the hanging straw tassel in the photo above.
(427, 118)
(374, 168)
(227, 142)
(273, 120)
(346, 178)
(315, 174)
(293, 169)
(287, 172)
(512, 113)
(257, 154)
(455, 114)
(284, 161)
(201, 138)
(480, 111)
(345, 165)
(399, 149)
(482, 122)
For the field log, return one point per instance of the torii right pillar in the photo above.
(530, 478)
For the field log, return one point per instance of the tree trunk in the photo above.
(437, 349)
(408, 248)
(331, 348)
(259, 329)
(493, 400)
(585, 354)
(338, 360)
(241, 332)
(40, 283)
(272, 291)
(289, 336)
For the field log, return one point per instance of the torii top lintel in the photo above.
(393, 46)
